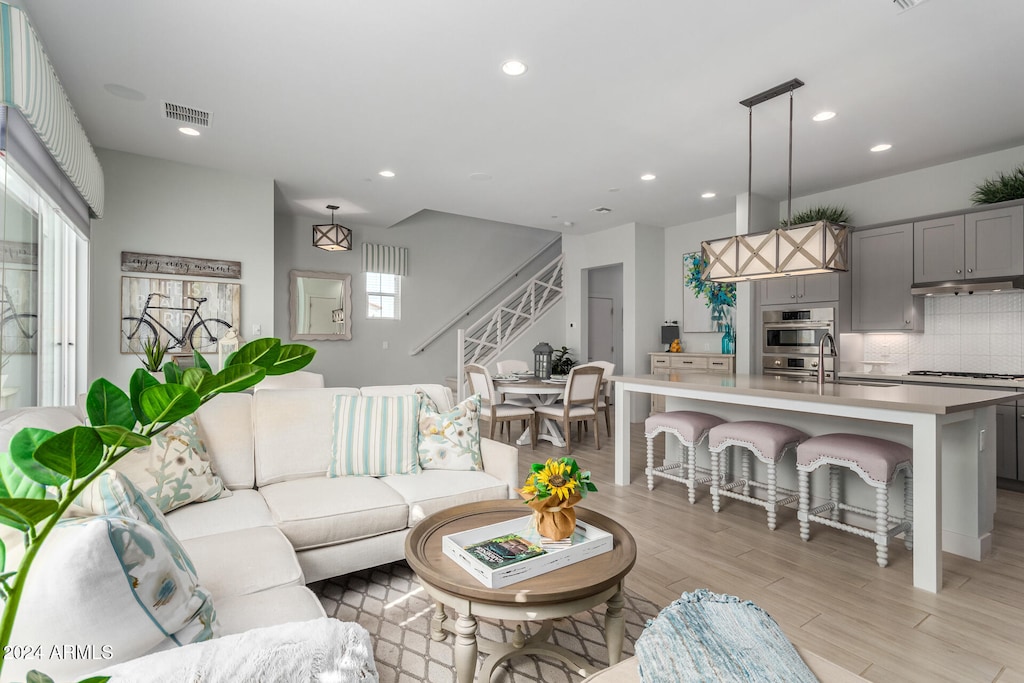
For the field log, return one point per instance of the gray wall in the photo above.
(163, 207)
(453, 260)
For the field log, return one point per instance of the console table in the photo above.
(664, 363)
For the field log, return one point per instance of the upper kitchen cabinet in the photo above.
(800, 289)
(880, 264)
(981, 244)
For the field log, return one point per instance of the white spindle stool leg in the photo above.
(803, 481)
(772, 495)
(834, 475)
(691, 471)
(650, 462)
(716, 479)
(745, 471)
(882, 525)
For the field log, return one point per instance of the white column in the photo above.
(927, 503)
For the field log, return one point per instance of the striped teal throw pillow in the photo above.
(374, 436)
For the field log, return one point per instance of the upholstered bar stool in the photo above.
(768, 442)
(689, 428)
(877, 462)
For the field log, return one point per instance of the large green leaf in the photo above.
(23, 448)
(173, 373)
(27, 510)
(75, 452)
(200, 362)
(261, 352)
(140, 381)
(116, 436)
(231, 379)
(16, 484)
(107, 404)
(169, 402)
(34, 676)
(193, 378)
(292, 357)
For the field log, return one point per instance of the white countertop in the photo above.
(939, 400)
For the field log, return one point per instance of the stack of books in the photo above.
(501, 554)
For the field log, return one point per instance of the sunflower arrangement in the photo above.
(559, 478)
(552, 489)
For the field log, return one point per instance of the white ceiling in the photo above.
(320, 95)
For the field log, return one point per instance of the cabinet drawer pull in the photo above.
(958, 271)
(970, 270)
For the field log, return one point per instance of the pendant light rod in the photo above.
(789, 195)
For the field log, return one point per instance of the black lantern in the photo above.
(542, 360)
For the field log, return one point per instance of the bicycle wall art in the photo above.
(185, 314)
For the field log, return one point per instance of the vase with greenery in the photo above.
(826, 212)
(562, 361)
(1002, 188)
(45, 471)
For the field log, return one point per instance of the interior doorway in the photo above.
(604, 315)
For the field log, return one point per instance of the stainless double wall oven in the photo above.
(790, 338)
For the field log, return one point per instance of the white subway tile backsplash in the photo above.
(979, 333)
(1007, 322)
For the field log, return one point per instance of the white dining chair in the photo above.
(578, 404)
(508, 367)
(479, 380)
(605, 399)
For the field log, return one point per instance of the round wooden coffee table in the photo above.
(557, 594)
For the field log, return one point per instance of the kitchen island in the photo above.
(952, 432)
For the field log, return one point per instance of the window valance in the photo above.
(383, 258)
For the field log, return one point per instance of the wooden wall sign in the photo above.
(26, 253)
(133, 262)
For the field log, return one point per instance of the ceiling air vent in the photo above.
(602, 209)
(189, 115)
(904, 5)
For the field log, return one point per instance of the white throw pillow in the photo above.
(450, 440)
(175, 469)
(374, 436)
(107, 589)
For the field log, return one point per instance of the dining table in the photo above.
(540, 392)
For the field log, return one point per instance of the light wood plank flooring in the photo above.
(828, 595)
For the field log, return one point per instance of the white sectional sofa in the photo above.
(285, 523)
(272, 449)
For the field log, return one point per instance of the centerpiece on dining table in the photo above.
(553, 489)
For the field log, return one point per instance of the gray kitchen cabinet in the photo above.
(994, 242)
(880, 265)
(1006, 440)
(800, 289)
(980, 244)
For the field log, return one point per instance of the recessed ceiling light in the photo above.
(481, 177)
(708, 195)
(824, 116)
(513, 67)
(648, 176)
(882, 147)
(188, 131)
(386, 174)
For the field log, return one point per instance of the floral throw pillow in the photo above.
(450, 440)
(174, 470)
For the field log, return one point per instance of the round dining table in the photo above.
(541, 393)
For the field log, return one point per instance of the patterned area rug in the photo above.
(389, 603)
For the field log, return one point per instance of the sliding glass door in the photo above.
(44, 276)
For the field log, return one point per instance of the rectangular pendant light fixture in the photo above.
(806, 249)
(332, 236)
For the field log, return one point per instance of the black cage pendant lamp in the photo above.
(332, 237)
(807, 249)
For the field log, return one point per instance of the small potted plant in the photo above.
(562, 361)
(552, 489)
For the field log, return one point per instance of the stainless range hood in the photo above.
(981, 286)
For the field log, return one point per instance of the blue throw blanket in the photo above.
(703, 636)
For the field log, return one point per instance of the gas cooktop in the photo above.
(970, 375)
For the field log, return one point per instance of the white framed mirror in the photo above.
(320, 306)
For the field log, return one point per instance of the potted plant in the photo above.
(825, 212)
(562, 361)
(45, 471)
(1003, 188)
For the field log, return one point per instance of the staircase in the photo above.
(485, 339)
